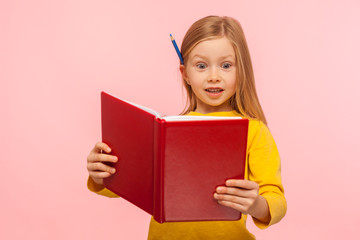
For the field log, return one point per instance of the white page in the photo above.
(146, 109)
(192, 118)
(179, 117)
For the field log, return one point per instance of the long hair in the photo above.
(245, 100)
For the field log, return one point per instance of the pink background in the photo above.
(56, 57)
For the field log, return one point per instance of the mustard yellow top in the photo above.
(262, 167)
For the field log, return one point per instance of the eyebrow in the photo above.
(199, 56)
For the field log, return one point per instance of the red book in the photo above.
(171, 166)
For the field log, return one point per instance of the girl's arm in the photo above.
(262, 196)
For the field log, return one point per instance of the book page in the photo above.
(194, 118)
(146, 109)
(176, 117)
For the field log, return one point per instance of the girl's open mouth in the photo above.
(214, 90)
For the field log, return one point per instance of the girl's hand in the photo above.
(96, 160)
(243, 195)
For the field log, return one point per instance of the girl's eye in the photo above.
(201, 65)
(226, 65)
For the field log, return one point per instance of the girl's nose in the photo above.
(214, 76)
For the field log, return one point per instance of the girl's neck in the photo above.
(205, 108)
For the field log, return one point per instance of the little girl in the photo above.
(218, 77)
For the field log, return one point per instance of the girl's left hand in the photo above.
(241, 195)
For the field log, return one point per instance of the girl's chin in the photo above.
(214, 106)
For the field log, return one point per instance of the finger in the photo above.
(102, 157)
(233, 205)
(231, 198)
(100, 175)
(237, 192)
(98, 166)
(240, 183)
(100, 146)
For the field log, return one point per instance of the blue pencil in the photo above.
(177, 49)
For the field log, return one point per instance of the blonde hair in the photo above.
(245, 100)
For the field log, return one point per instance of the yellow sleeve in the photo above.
(265, 169)
(92, 186)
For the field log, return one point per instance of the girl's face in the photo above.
(211, 72)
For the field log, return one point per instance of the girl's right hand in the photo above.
(96, 160)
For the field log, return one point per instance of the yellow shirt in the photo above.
(262, 167)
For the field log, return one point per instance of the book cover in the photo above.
(171, 166)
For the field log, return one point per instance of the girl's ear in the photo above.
(184, 74)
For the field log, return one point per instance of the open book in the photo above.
(171, 166)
